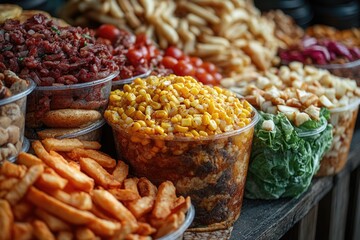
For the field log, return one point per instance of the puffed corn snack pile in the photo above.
(175, 105)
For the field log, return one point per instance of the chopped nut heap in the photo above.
(11, 84)
(178, 106)
(299, 92)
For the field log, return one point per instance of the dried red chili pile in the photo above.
(40, 50)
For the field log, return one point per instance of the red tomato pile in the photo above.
(141, 55)
(183, 65)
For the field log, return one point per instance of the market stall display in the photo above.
(339, 95)
(13, 93)
(71, 189)
(199, 136)
(231, 34)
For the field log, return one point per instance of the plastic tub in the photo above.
(12, 123)
(283, 163)
(211, 170)
(343, 119)
(119, 84)
(25, 148)
(178, 233)
(67, 106)
(346, 70)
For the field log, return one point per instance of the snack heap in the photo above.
(70, 190)
(295, 101)
(199, 137)
(12, 118)
(232, 34)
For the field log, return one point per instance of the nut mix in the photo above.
(13, 91)
(200, 137)
(339, 95)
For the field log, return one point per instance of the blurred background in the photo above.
(341, 14)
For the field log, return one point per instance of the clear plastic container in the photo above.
(12, 123)
(343, 119)
(211, 170)
(119, 84)
(25, 148)
(178, 233)
(67, 106)
(346, 70)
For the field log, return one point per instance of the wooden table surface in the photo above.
(261, 219)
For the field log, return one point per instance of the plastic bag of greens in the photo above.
(285, 158)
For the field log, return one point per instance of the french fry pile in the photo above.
(231, 33)
(70, 190)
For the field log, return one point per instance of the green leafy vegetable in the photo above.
(283, 163)
(56, 30)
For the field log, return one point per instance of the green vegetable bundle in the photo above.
(284, 159)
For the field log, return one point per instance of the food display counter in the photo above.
(174, 119)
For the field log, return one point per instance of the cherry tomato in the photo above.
(108, 31)
(135, 56)
(209, 67)
(217, 76)
(153, 51)
(142, 39)
(196, 61)
(185, 58)
(145, 52)
(169, 62)
(206, 78)
(199, 71)
(183, 68)
(174, 52)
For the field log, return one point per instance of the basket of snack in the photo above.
(13, 93)
(69, 189)
(198, 136)
(290, 139)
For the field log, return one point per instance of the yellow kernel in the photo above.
(142, 123)
(127, 88)
(165, 125)
(212, 125)
(246, 112)
(115, 98)
(181, 129)
(174, 119)
(203, 133)
(130, 111)
(211, 107)
(128, 120)
(155, 105)
(187, 102)
(189, 134)
(206, 120)
(136, 126)
(186, 122)
(195, 133)
(241, 124)
(149, 110)
(131, 97)
(160, 114)
(141, 108)
(215, 115)
(159, 130)
(139, 115)
(247, 121)
(194, 91)
(142, 92)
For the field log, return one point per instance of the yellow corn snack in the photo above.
(175, 105)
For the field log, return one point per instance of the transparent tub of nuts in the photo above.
(343, 119)
(211, 170)
(12, 123)
(62, 109)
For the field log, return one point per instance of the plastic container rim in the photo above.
(351, 106)
(129, 80)
(313, 132)
(180, 231)
(25, 148)
(85, 130)
(78, 85)
(338, 65)
(18, 96)
(254, 120)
